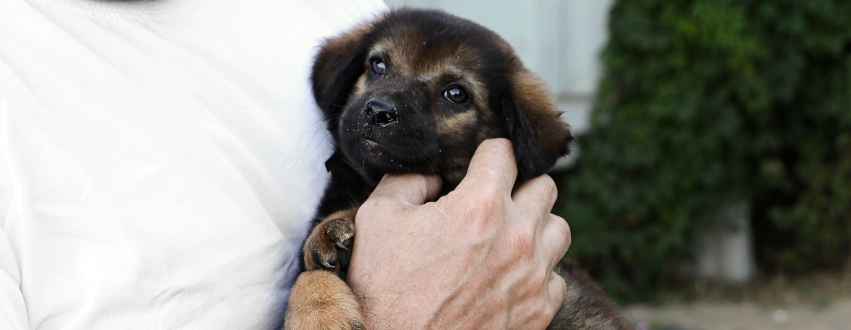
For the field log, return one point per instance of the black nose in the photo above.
(376, 112)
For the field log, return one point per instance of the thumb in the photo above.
(493, 166)
(408, 189)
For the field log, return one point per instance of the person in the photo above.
(160, 162)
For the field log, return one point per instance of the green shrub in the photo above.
(707, 102)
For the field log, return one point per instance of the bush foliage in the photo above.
(709, 102)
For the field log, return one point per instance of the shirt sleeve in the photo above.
(13, 312)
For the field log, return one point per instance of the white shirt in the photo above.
(160, 161)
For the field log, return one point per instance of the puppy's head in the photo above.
(418, 90)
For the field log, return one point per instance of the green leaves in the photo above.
(705, 102)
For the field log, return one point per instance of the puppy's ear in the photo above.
(535, 128)
(336, 69)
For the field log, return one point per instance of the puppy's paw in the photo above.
(330, 242)
(321, 300)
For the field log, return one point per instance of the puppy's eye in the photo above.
(378, 66)
(456, 94)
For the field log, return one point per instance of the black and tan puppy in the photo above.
(418, 91)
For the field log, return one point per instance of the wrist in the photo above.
(394, 310)
(412, 306)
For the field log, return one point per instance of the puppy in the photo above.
(417, 91)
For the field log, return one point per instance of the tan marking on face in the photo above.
(460, 63)
(396, 54)
(360, 86)
(407, 57)
(456, 123)
(478, 93)
(436, 75)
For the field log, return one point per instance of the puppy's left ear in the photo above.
(336, 69)
(535, 128)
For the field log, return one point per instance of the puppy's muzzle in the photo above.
(378, 114)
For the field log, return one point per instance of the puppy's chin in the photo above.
(375, 157)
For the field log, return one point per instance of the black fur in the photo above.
(429, 50)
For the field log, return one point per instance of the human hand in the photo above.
(478, 258)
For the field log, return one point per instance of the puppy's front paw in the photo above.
(330, 242)
(321, 300)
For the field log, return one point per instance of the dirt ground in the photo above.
(816, 301)
(742, 316)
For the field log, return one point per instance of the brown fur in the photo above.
(397, 117)
(337, 228)
(586, 305)
(325, 302)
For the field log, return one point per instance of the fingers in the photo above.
(555, 239)
(409, 189)
(558, 289)
(492, 164)
(536, 196)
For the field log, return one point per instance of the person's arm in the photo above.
(480, 257)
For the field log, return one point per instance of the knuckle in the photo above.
(499, 153)
(549, 185)
(561, 290)
(562, 226)
(538, 282)
(485, 206)
(499, 145)
(489, 185)
(550, 309)
(523, 243)
(370, 204)
(373, 206)
(382, 200)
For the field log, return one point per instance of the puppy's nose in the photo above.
(380, 113)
